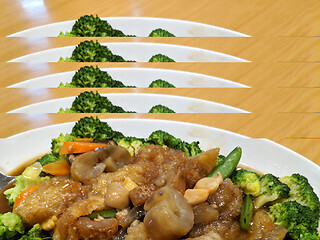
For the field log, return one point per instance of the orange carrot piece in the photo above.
(23, 195)
(58, 168)
(80, 147)
(83, 139)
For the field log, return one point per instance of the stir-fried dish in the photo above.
(99, 184)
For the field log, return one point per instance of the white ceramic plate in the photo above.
(138, 102)
(260, 154)
(139, 26)
(139, 77)
(137, 51)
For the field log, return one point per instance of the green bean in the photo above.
(109, 213)
(228, 165)
(246, 212)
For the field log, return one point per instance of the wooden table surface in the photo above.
(255, 18)
(258, 49)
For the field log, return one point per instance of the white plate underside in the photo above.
(260, 154)
(139, 77)
(139, 52)
(137, 102)
(139, 26)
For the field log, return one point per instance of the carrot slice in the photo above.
(80, 147)
(58, 168)
(83, 139)
(23, 195)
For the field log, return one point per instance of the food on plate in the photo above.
(159, 187)
(90, 51)
(90, 26)
(90, 102)
(93, 77)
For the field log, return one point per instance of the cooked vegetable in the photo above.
(132, 144)
(302, 192)
(299, 220)
(29, 178)
(56, 145)
(159, 83)
(33, 234)
(89, 51)
(93, 77)
(58, 168)
(271, 189)
(11, 226)
(23, 195)
(246, 212)
(248, 181)
(109, 213)
(228, 165)
(160, 109)
(90, 26)
(160, 58)
(220, 159)
(116, 196)
(169, 216)
(80, 147)
(159, 32)
(48, 158)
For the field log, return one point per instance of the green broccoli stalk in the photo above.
(90, 26)
(160, 58)
(271, 189)
(33, 234)
(248, 181)
(29, 178)
(299, 220)
(160, 109)
(90, 77)
(159, 83)
(48, 158)
(159, 32)
(90, 102)
(302, 192)
(132, 144)
(89, 51)
(11, 226)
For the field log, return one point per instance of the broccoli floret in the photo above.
(299, 220)
(90, 102)
(163, 138)
(90, 26)
(132, 144)
(11, 226)
(67, 110)
(159, 32)
(89, 127)
(191, 149)
(29, 178)
(33, 234)
(160, 109)
(90, 77)
(248, 181)
(271, 189)
(89, 51)
(160, 58)
(47, 158)
(159, 83)
(302, 192)
(56, 143)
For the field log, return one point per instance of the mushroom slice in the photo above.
(169, 215)
(90, 165)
